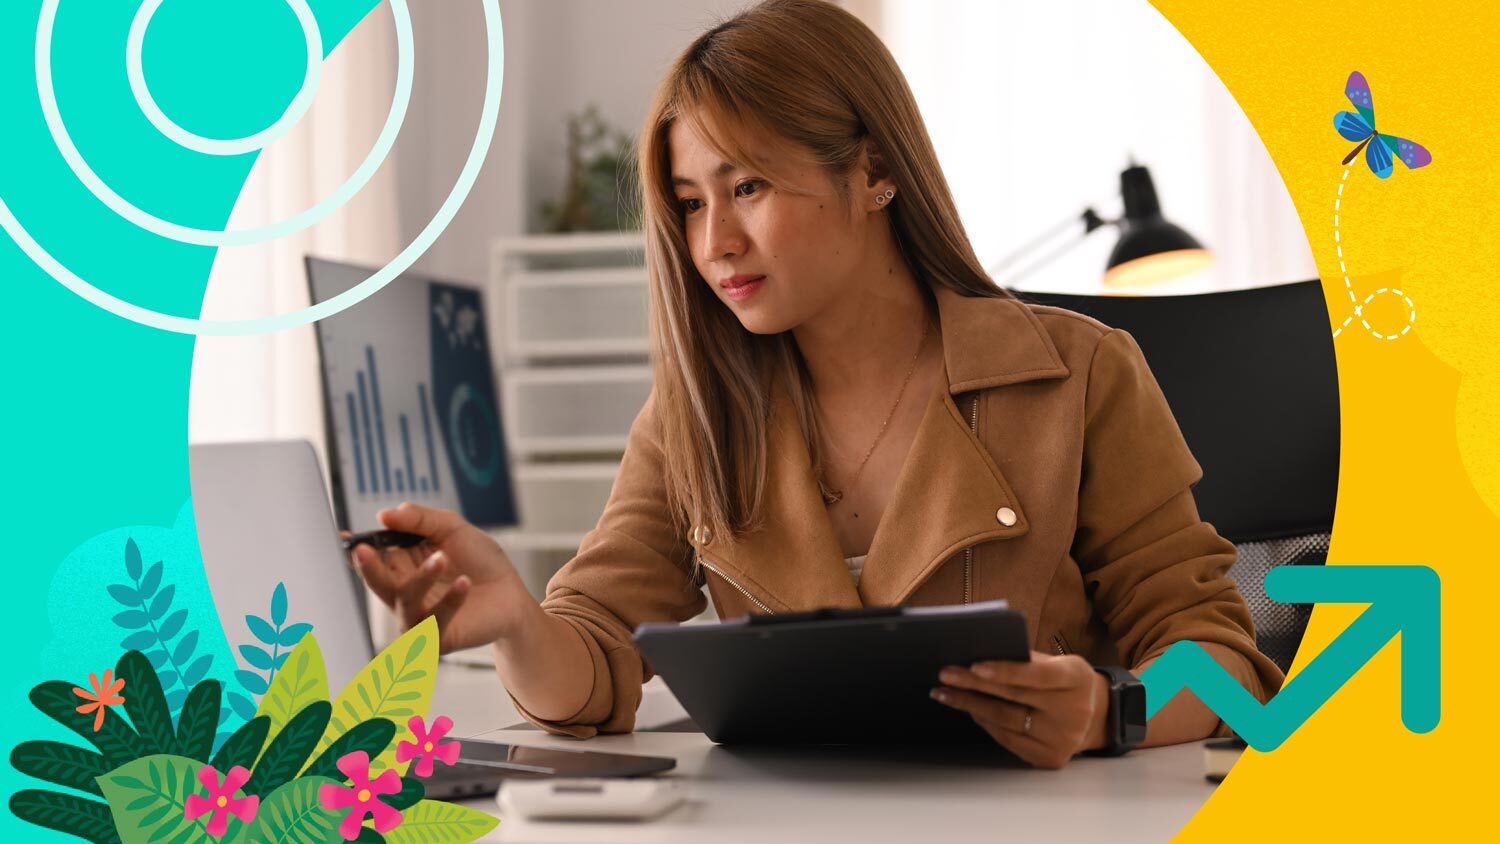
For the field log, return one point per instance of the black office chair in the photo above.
(1251, 377)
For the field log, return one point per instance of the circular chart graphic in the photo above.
(472, 428)
(489, 116)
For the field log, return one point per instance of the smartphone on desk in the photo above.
(483, 765)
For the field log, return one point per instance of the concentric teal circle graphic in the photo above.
(209, 237)
(488, 119)
(135, 46)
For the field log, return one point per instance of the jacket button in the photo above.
(1006, 516)
(702, 535)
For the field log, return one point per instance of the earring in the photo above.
(880, 199)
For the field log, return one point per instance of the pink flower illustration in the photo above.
(360, 798)
(427, 747)
(220, 800)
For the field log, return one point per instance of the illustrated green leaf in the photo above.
(288, 751)
(198, 721)
(411, 791)
(115, 739)
(435, 822)
(66, 813)
(172, 624)
(292, 813)
(371, 736)
(242, 747)
(278, 605)
(132, 559)
(409, 664)
(124, 594)
(146, 705)
(151, 580)
(147, 798)
(261, 629)
(61, 764)
(367, 835)
(300, 682)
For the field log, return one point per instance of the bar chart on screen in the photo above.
(412, 410)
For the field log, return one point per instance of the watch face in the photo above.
(1133, 713)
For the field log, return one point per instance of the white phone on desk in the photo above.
(590, 798)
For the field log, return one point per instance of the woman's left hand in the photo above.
(1045, 711)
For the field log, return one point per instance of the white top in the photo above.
(856, 566)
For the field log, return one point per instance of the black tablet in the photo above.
(838, 676)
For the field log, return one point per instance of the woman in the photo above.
(847, 411)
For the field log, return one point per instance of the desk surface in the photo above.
(898, 795)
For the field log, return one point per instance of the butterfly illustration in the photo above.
(1361, 127)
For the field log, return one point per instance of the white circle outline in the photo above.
(488, 119)
(134, 69)
(400, 100)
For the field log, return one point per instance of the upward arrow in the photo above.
(1402, 599)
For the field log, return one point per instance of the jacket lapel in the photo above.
(947, 495)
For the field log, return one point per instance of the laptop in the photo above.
(263, 519)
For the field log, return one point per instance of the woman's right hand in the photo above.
(458, 573)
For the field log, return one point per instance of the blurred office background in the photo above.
(1035, 109)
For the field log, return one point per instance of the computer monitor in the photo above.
(410, 404)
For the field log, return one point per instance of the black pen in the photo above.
(383, 539)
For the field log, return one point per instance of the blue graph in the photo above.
(374, 473)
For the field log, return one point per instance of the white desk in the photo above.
(863, 794)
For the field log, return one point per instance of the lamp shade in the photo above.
(1150, 249)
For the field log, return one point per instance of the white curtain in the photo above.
(1035, 108)
(266, 386)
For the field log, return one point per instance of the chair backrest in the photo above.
(1251, 378)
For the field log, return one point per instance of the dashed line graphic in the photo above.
(1359, 307)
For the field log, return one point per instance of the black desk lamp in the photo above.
(1150, 250)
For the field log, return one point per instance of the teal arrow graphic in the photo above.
(1402, 599)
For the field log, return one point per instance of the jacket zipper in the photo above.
(1059, 645)
(703, 561)
(969, 552)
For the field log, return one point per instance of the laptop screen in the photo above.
(263, 521)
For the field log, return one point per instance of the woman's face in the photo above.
(803, 249)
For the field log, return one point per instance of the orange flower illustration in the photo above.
(104, 694)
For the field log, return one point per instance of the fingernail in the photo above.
(948, 675)
(982, 670)
(938, 695)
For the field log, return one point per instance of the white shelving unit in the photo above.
(574, 373)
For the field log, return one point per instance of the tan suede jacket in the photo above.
(1048, 472)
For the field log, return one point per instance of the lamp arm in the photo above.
(1091, 221)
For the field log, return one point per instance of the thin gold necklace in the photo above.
(833, 496)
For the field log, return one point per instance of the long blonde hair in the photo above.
(815, 79)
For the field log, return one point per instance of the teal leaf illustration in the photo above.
(371, 736)
(163, 601)
(434, 822)
(147, 799)
(242, 705)
(253, 682)
(262, 629)
(131, 619)
(124, 594)
(172, 624)
(293, 813)
(243, 746)
(256, 657)
(151, 580)
(278, 605)
(145, 704)
(287, 752)
(184, 649)
(66, 813)
(198, 721)
(157, 658)
(138, 641)
(176, 698)
(60, 764)
(132, 559)
(198, 670)
(114, 738)
(293, 633)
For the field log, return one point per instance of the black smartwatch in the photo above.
(1126, 723)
